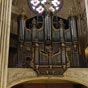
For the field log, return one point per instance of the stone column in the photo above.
(5, 17)
(86, 4)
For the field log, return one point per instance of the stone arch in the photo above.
(45, 78)
(19, 76)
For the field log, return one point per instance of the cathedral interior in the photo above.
(49, 40)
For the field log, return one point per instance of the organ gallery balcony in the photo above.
(47, 43)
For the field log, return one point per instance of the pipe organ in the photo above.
(48, 44)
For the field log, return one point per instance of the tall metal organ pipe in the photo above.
(61, 30)
(62, 39)
(21, 27)
(73, 27)
(34, 31)
(47, 27)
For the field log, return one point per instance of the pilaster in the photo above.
(5, 17)
(86, 3)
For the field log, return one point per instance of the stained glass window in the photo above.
(40, 6)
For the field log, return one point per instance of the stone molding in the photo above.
(79, 75)
(17, 76)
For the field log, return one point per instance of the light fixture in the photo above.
(86, 52)
(40, 6)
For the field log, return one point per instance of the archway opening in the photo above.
(61, 84)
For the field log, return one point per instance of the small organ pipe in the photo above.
(36, 53)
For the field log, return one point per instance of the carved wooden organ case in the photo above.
(48, 44)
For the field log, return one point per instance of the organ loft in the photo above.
(43, 43)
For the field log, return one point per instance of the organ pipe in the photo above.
(73, 27)
(34, 30)
(61, 30)
(63, 54)
(21, 27)
(36, 53)
(47, 27)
